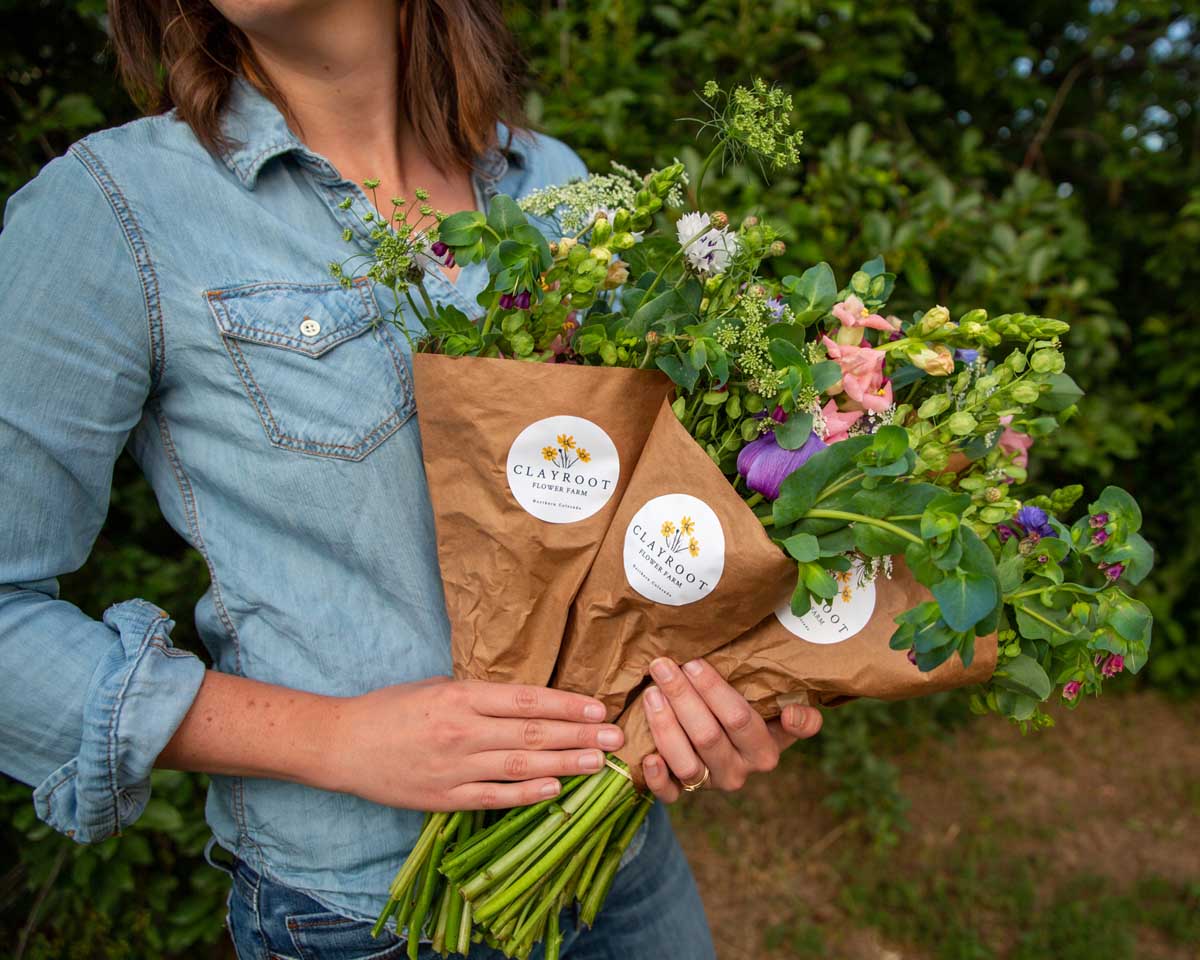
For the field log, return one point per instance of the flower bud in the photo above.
(618, 273)
(936, 360)
(719, 220)
(601, 229)
(565, 244)
(621, 221)
(651, 336)
(750, 221)
(777, 249)
(602, 254)
(993, 494)
(934, 319)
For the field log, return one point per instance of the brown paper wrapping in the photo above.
(614, 631)
(770, 666)
(509, 576)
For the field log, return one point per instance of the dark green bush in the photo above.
(1039, 156)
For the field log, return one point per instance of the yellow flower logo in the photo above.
(584, 455)
(847, 593)
(549, 453)
(566, 441)
(842, 576)
(682, 537)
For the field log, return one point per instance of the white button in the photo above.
(310, 327)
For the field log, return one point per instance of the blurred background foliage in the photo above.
(1041, 156)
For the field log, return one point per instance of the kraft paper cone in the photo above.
(685, 567)
(526, 465)
(771, 665)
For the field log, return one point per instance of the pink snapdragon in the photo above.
(862, 375)
(837, 423)
(1071, 690)
(851, 313)
(1015, 443)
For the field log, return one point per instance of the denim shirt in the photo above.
(159, 297)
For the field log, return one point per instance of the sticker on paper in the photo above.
(563, 469)
(832, 621)
(674, 550)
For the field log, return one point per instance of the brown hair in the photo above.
(460, 70)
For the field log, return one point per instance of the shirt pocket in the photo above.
(323, 370)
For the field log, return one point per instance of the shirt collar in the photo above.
(256, 133)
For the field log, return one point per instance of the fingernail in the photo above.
(692, 668)
(662, 669)
(593, 711)
(549, 789)
(795, 717)
(609, 739)
(654, 699)
(591, 761)
(650, 765)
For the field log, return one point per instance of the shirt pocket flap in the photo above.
(309, 318)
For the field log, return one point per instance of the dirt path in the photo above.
(1003, 828)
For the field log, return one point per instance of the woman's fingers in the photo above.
(674, 744)
(499, 796)
(505, 733)
(745, 728)
(795, 723)
(658, 779)
(523, 700)
(531, 764)
(702, 727)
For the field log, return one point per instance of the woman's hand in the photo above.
(698, 720)
(466, 745)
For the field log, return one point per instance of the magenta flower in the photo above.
(507, 300)
(765, 464)
(1099, 538)
(912, 656)
(1112, 570)
(1097, 520)
(1005, 532)
(1071, 690)
(522, 301)
(1113, 665)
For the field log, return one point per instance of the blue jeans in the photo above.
(653, 911)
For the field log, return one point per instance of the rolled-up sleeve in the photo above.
(85, 706)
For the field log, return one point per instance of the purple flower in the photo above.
(765, 464)
(1099, 538)
(522, 301)
(506, 301)
(776, 305)
(1113, 665)
(1097, 520)
(1071, 690)
(1005, 532)
(966, 356)
(912, 656)
(439, 249)
(1112, 570)
(1035, 520)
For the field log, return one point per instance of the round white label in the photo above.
(674, 550)
(563, 469)
(832, 621)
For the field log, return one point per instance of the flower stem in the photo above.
(860, 518)
(608, 869)
(704, 172)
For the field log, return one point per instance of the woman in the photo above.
(191, 316)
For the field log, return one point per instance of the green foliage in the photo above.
(1039, 157)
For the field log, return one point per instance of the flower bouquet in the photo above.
(835, 495)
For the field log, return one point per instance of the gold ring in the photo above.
(690, 787)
